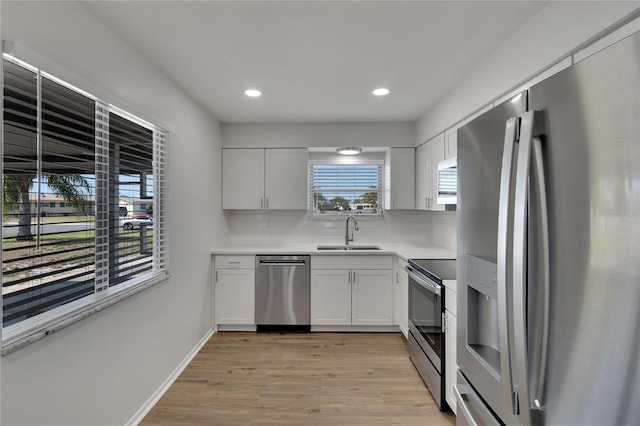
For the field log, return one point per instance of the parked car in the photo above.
(136, 221)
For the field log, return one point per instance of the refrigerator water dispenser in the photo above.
(482, 319)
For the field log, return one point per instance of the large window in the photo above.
(64, 147)
(345, 189)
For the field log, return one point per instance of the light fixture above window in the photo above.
(252, 93)
(381, 91)
(349, 150)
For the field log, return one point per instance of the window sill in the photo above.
(33, 329)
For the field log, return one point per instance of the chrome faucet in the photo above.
(346, 232)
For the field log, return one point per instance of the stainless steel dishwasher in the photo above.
(282, 293)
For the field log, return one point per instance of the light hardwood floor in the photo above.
(300, 379)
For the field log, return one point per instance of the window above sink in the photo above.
(341, 186)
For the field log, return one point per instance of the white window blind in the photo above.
(93, 162)
(344, 189)
(448, 181)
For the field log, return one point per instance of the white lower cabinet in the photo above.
(330, 297)
(234, 290)
(344, 296)
(371, 298)
(401, 297)
(451, 366)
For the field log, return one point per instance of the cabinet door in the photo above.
(372, 298)
(423, 177)
(330, 297)
(234, 294)
(286, 179)
(451, 366)
(400, 178)
(451, 143)
(242, 178)
(428, 155)
(437, 155)
(403, 302)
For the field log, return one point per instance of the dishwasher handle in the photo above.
(282, 262)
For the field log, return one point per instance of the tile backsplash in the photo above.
(444, 229)
(272, 227)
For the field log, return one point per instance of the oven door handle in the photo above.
(434, 288)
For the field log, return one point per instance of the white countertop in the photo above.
(405, 251)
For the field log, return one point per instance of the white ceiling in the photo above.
(315, 61)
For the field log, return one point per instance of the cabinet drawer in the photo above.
(351, 262)
(235, 262)
(450, 301)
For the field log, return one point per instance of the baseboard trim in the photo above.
(155, 397)
(405, 331)
(356, 328)
(241, 327)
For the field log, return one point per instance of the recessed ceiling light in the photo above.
(381, 91)
(349, 150)
(252, 93)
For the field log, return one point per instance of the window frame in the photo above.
(39, 326)
(347, 161)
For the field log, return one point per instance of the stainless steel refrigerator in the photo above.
(549, 250)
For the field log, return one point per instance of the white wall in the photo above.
(556, 31)
(102, 369)
(288, 135)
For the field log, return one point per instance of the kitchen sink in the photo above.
(349, 247)
(362, 247)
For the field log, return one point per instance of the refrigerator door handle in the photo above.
(520, 267)
(505, 214)
(542, 338)
(528, 176)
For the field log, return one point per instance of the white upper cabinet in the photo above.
(428, 155)
(450, 143)
(242, 178)
(423, 176)
(400, 178)
(286, 174)
(437, 155)
(264, 178)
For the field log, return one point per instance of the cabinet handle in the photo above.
(354, 276)
(426, 202)
(266, 203)
(216, 276)
(261, 202)
(349, 278)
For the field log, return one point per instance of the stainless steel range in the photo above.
(426, 340)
